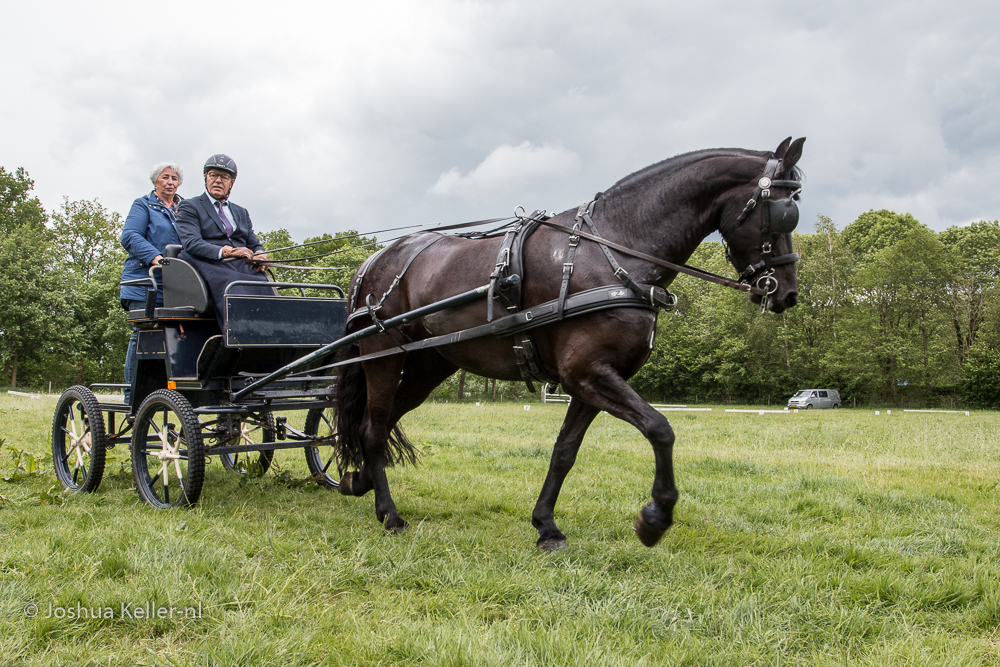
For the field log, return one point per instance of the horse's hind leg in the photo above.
(422, 372)
(604, 388)
(579, 415)
(382, 383)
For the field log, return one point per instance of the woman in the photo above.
(149, 228)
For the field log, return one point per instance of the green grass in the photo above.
(823, 538)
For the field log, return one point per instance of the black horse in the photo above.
(664, 210)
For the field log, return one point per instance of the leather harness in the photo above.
(517, 323)
(779, 216)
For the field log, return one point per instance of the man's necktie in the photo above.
(225, 220)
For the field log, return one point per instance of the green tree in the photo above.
(87, 242)
(897, 317)
(345, 255)
(16, 207)
(34, 309)
(876, 230)
(975, 250)
(812, 327)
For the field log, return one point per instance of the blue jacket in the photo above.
(149, 228)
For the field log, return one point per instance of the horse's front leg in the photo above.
(605, 389)
(579, 416)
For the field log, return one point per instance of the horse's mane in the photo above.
(645, 187)
(666, 167)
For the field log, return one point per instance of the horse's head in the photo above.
(759, 238)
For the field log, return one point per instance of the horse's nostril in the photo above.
(791, 299)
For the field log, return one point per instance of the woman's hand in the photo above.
(156, 260)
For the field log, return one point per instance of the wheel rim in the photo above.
(322, 460)
(251, 432)
(78, 441)
(76, 446)
(167, 457)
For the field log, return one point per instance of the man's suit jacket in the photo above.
(202, 232)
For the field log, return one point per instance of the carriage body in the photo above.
(189, 365)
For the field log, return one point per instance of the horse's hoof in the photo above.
(648, 535)
(395, 526)
(345, 484)
(552, 544)
(649, 527)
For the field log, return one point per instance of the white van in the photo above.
(807, 399)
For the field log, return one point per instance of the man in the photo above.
(218, 236)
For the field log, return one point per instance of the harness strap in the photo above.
(372, 308)
(503, 261)
(581, 303)
(360, 276)
(620, 273)
(574, 242)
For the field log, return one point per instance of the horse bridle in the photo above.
(779, 216)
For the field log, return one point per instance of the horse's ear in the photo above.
(793, 153)
(779, 152)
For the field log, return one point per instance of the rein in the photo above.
(680, 268)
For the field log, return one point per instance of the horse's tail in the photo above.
(352, 401)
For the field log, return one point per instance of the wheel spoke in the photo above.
(72, 422)
(76, 473)
(327, 466)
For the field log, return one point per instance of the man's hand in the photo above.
(230, 251)
(262, 257)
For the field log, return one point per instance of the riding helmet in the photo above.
(222, 162)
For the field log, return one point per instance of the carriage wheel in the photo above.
(78, 440)
(168, 456)
(260, 429)
(322, 460)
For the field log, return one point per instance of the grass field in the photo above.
(823, 538)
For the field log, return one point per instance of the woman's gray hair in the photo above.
(158, 169)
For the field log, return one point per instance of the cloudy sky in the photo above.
(368, 115)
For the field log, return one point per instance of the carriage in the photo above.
(585, 317)
(189, 366)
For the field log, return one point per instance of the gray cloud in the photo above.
(365, 115)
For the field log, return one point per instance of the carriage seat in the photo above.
(184, 291)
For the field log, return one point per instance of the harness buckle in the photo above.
(504, 259)
(568, 268)
(372, 308)
(752, 203)
(619, 272)
(766, 248)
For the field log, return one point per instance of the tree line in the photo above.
(890, 311)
